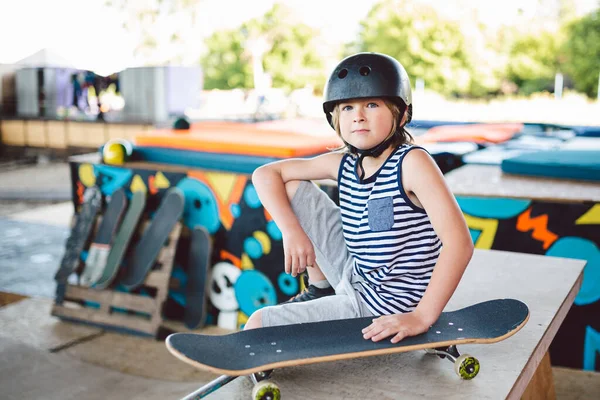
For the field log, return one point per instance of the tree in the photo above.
(290, 58)
(582, 52)
(534, 61)
(224, 65)
(428, 47)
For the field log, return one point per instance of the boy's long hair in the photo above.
(401, 135)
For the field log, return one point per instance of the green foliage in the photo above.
(426, 45)
(224, 66)
(291, 58)
(534, 61)
(582, 53)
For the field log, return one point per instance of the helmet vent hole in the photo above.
(342, 74)
(364, 71)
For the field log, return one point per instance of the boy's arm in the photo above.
(269, 181)
(449, 224)
(422, 177)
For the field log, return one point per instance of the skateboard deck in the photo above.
(100, 247)
(258, 350)
(84, 222)
(198, 279)
(121, 243)
(153, 238)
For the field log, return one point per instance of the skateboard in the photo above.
(100, 247)
(257, 352)
(153, 238)
(121, 243)
(198, 279)
(84, 222)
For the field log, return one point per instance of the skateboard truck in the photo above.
(465, 366)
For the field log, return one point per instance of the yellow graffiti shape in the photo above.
(246, 262)
(488, 228)
(222, 184)
(264, 241)
(86, 175)
(591, 217)
(242, 319)
(138, 185)
(161, 181)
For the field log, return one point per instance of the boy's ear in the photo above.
(403, 120)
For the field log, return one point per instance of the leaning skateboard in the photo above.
(153, 238)
(121, 243)
(257, 352)
(84, 222)
(100, 247)
(198, 279)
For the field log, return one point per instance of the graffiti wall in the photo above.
(247, 270)
(570, 230)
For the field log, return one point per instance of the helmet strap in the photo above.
(374, 152)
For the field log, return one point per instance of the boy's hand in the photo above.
(400, 325)
(299, 252)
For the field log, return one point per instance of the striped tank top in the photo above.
(391, 239)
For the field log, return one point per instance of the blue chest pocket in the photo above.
(381, 214)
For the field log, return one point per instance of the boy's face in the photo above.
(364, 123)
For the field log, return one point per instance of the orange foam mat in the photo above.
(278, 139)
(478, 133)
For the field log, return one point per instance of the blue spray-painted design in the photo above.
(583, 249)
(178, 294)
(179, 274)
(210, 320)
(253, 290)
(251, 197)
(236, 211)
(253, 248)
(475, 234)
(113, 178)
(287, 284)
(492, 208)
(591, 346)
(273, 231)
(200, 205)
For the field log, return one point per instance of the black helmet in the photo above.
(365, 75)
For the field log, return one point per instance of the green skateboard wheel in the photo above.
(266, 390)
(466, 366)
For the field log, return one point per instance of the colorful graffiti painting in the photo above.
(569, 230)
(247, 267)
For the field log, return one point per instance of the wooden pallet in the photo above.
(129, 312)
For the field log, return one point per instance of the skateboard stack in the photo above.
(118, 260)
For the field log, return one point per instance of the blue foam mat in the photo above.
(562, 164)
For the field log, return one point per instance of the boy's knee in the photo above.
(255, 320)
(291, 187)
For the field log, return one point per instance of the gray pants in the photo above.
(321, 220)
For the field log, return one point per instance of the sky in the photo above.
(90, 35)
